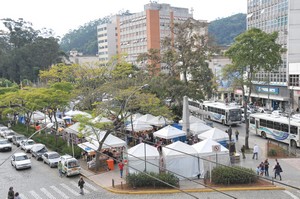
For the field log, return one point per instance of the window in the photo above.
(294, 130)
(285, 127)
(270, 124)
(263, 123)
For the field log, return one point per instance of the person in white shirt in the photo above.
(255, 152)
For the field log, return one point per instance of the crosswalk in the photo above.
(67, 190)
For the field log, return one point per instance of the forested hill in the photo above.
(84, 39)
(226, 29)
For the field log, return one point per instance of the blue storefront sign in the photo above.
(270, 90)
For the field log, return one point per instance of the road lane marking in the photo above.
(47, 193)
(290, 194)
(23, 196)
(76, 185)
(70, 189)
(91, 186)
(35, 195)
(59, 192)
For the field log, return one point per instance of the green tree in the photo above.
(252, 52)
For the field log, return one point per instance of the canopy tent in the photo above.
(169, 132)
(38, 115)
(145, 118)
(205, 151)
(215, 134)
(198, 128)
(180, 159)
(110, 141)
(143, 157)
(47, 120)
(193, 119)
(138, 126)
(74, 113)
(100, 119)
(74, 129)
(159, 121)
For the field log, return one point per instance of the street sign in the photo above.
(216, 148)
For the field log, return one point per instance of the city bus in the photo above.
(227, 114)
(275, 127)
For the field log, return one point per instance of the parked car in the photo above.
(5, 145)
(27, 144)
(20, 161)
(9, 135)
(70, 165)
(37, 150)
(17, 139)
(51, 158)
(2, 130)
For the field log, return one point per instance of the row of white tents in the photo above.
(183, 160)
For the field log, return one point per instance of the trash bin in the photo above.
(110, 164)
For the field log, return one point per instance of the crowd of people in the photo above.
(263, 169)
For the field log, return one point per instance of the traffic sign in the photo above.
(216, 148)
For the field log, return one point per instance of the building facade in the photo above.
(139, 32)
(273, 89)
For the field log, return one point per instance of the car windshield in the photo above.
(20, 138)
(73, 164)
(4, 142)
(10, 133)
(20, 158)
(43, 150)
(29, 142)
(53, 156)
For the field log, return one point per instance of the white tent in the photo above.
(180, 159)
(205, 151)
(38, 115)
(75, 129)
(198, 128)
(215, 134)
(193, 119)
(110, 141)
(138, 126)
(137, 160)
(74, 113)
(100, 119)
(159, 121)
(145, 118)
(169, 132)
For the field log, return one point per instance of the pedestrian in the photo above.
(266, 163)
(258, 170)
(262, 168)
(243, 149)
(121, 167)
(81, 185)
(59, 166)
(17, 196)
(11, 193)
(229, 133)
(278, 170)
(237, 135)
(255, 152)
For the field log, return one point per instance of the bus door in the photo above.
(256, 126)
(226, 117)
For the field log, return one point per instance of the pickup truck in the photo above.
(70, 165)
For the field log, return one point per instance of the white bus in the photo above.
(226, 114)
(275, 127)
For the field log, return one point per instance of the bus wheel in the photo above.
(293, 144)
(263, 134)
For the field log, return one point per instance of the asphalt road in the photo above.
(42, 182)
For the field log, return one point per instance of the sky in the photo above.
(64, 15)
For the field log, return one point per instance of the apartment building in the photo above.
(273, 89)
(137, 33)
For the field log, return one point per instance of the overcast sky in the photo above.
(64, 15)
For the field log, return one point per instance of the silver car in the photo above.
(20, 161)
(5, 145)
(17, 139)
(51, 158)
(26, 145)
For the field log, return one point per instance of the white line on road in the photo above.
(23, 196)
(76, 185)
(35, 195)
(292, 195)
(70, 189)
(47, 193)
(91, 186)
(60, 192)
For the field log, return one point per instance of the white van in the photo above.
(70, 165)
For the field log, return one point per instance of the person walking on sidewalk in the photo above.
(266, 167)
(243, 150)
(237, 135)
(81, 185)
(278, 170)
(255, 152)
(17, 195)
(11, 193)
(59, 166)
(229, 133)
(121, 167)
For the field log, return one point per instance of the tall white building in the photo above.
(272, 89)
